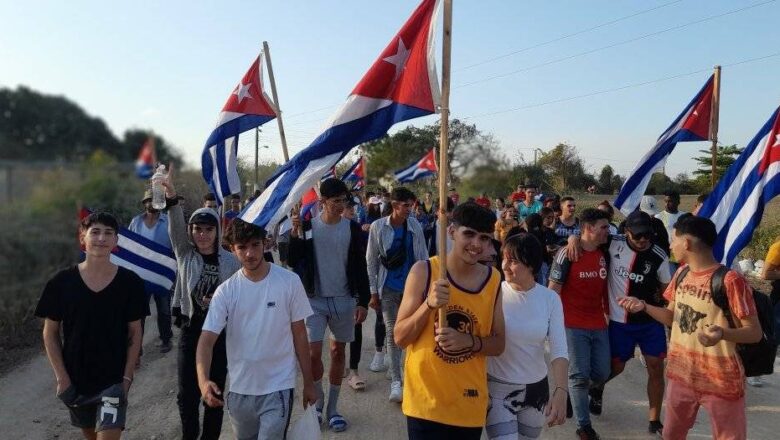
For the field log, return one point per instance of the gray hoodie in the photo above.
(189, 260)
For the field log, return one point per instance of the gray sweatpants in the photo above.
(260, 417)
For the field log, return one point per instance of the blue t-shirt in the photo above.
(397, 278)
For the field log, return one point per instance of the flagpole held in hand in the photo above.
(283, 138)
(714, 118)
(443, 146)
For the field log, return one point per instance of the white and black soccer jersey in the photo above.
(636, 274)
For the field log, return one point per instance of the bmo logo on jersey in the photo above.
(635, 277)
(591, 274)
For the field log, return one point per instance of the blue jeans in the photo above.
(588, 367)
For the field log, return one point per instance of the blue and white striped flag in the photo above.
(401, 84)
(247, 107)
(692, 125)
(737, 203)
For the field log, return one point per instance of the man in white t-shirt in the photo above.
(669, 217)
(262, 307)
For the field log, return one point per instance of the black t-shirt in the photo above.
(94, 325)
(207, 284)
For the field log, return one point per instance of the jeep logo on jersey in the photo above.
(635, 277)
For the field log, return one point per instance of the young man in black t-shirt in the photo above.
(98, 306)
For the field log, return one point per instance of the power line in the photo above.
(616, 89)
(609, 46)
(564, 37)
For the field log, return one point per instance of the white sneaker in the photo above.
(378, 362)
(755, 381)
(396, 392)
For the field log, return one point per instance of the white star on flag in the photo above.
(242, 91)
(399, 59)
(777, 140)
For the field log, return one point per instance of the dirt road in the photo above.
(30, 410)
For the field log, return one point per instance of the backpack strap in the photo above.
(718, 289)
(681, 276)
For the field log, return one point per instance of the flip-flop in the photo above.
(356, 382)
(337, 423)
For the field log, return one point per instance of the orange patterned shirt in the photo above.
(715, 370)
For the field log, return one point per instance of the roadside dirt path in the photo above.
(30, 410)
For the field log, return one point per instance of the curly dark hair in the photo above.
(240, 232)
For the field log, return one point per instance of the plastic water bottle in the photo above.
(158, 191)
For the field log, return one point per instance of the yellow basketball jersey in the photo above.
(447, 387)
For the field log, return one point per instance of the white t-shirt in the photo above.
(669, 220)
(257, 317)
(531, 319)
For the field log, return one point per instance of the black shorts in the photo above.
(104, 410)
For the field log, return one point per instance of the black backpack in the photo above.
(758, 358)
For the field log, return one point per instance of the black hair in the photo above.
(333, 188)
(566, 199)
(525, 248)
(592, 215)
(533, 221)
(374, 211)
(401, 194)
(241, 232)
(514, 230)
(450, 205)
(101, 217)
(209, 197)
(235, 197)
(502, 199)
(544, 212)
(701, 228)
(610, 209)
(702, 197)
(474, 216)
(674, 195)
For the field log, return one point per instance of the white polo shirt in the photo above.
(257, 317)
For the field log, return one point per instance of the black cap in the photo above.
(639, 222)
(204, 218)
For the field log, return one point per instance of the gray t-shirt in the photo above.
(331, 249)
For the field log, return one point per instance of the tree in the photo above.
(134, 140)
(469, 148)
(565, 169)
(605, 179)
(726, 156)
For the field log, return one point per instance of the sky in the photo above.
(605, 76)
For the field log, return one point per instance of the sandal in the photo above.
(356, 382)
(337, 423)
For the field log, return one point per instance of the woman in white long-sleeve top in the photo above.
(522, 398)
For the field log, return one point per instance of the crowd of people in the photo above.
(544, 304)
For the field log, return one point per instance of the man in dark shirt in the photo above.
(98, 306)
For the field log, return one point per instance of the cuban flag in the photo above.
(153, 262)
(356, 173)
(309, 204)
(330, 174)
(144, 165)
(247, 107)
(424, 167)
(737, 203)
(401, 84)
(692, 125)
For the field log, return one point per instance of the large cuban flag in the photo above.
(737, 202)
(356, 173)
(424, 167)
(401, 84)
(247, 107)
(692, 125)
